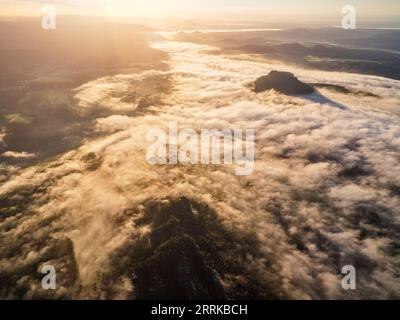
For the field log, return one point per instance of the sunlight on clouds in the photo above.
(286, 10)
(301, 202)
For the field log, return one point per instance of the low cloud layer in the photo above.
(324, 193)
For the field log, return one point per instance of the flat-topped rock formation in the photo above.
(283, 82)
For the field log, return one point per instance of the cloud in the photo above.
(324, 192)
(2, 137)
(13, 154)
(115, 93)
(113, 123)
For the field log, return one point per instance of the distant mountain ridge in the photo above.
(361, 51)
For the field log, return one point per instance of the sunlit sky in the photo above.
(229, 9)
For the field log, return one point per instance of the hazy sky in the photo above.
(260, 9)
